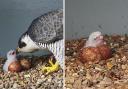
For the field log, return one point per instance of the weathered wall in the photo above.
(85, 16)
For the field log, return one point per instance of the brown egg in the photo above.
(90, 54)
(15, 66)
(25, 64)
(95, 54)
(105, 51)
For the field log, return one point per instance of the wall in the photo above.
(85, 16)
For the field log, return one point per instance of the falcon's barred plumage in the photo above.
(45, 32)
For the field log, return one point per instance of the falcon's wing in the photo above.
(47, 28)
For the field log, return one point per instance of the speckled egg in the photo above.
(15, 66)
(25, 64)
(90, 54)
(95, 54)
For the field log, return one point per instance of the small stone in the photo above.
(49, 80)
(42, 76)
(106, 81)
(122, 38)
(27, 76)
(89, 83)
(84, 82)
(72, 59)
(126, 71)
(109, 65)
(33, 87)
(124, 58)
(1, 86)
(98, 68)
(75, 75)
(124, 66)
(70, 80)
(77, 84)
(39, 81)
(88, 76)
(15, 85)
(6, 85)
(69, 86)
(67, 49)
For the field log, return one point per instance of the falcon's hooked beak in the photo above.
(17, 50)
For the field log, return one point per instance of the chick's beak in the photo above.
(99, 37)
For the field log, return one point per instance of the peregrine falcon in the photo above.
(45, 32)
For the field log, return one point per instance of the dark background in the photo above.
(17, 15)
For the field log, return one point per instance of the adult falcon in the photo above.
(45, 32)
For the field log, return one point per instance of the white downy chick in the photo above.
(95, 39)
(11, 57)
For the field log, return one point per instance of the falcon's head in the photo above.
(95, 39)
(25, 44)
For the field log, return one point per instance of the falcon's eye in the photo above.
(22, 44)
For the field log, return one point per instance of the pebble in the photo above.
(70, 80)
(1, 86)
(42, 76)
(68, 88)
(126, 71)
(75, 75)
(124, 66)
(77, 84)
(122, 38)
(106, 81)
(15, 85)
(124, 58)
(49, 80)
(84, 82)
(33, 87)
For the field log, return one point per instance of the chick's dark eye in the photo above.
(95, 38)
(22, 44)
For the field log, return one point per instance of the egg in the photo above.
(90, 54)
(15, 67)
(95, 54)
(25, 64)
(105, 51)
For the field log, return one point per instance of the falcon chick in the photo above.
(45, 32)
(12, 64)
(95, 39)
(95, 48)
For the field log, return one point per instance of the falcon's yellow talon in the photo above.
(51, 63)
(53, 67)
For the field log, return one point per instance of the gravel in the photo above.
(106, 74)
(32, 78)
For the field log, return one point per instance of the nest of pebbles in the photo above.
(106, 74)
(32, 78)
